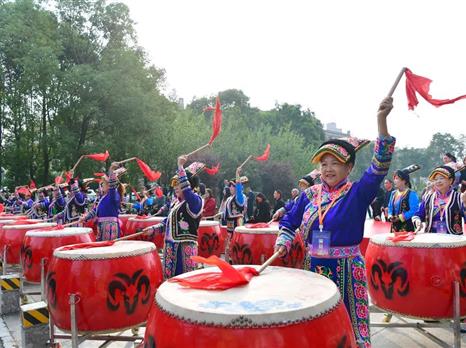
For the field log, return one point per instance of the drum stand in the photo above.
(455, 324)
(77, 339)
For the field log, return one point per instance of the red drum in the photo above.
(38, 245)
(124, 222)
(252, 246)
(12, 236)
(115, 283)
(282, 307)
(416, 278)
(137, 224)
(210, 239)
(224, 233)
(373, 228)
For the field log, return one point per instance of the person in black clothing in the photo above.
(388, 188)
(279, 203)
(250, 203)
(262, 211)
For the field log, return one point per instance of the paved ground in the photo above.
(10, 336)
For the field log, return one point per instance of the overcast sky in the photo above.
(338, 58)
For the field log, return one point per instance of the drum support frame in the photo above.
(77, 339)
(455, 323)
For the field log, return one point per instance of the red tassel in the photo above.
(265, 155)
(213, 170)
(149, 173)
(158, 192)
(58, 180)
(102, 157)
(402, 237)
(216, 121)
(230, 277)
(32, 184)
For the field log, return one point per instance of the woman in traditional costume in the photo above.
(442, 210)
(107, 209)
(333, 215)
(403, 203)
(180, 227)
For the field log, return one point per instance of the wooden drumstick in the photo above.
(244, 163)
(71, 223)
(198, 150)
(126, 160)
(269, 261)
(131, 236)
(397, 81)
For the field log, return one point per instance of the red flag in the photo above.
(68, 176)
(216, 121)
(213, 170)
(421, 85)
(58, 180)
(102, 157)
(23, 190)
(265, 155)
(149, 173)
(158, 192)
(32, 184)
(230, 276)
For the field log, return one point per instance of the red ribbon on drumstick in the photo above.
(230, 277)
(401, 237)
(216, 126)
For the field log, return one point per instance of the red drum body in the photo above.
(373, 228)
(415, 278)
(137, 224)
(12, 235)
(115, 283)
(124, 222)
(282, 307)
(255, 245)
(38, 245)
(210, 239)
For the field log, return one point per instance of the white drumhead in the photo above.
(65, 232)
(208, 223)
(155, 219)
(117, 250)
(30, 226)
(262, 230)
(7, 222)
(277, 296)
(424, 240)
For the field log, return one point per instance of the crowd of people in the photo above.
(320, 209)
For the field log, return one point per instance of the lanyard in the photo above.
(444, 206)
(337, 195)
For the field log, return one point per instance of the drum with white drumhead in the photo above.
(115, 283)
(253, 244)
(38, 245)
(12, 236)
(416, 278)
(210, 239)
(137, 224)
(282, 307)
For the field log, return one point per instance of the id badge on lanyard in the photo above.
(440, 227)
(320, 243)
(321, 238)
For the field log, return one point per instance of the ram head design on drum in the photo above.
(463, 281)
(387, 276)
(128, 289)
